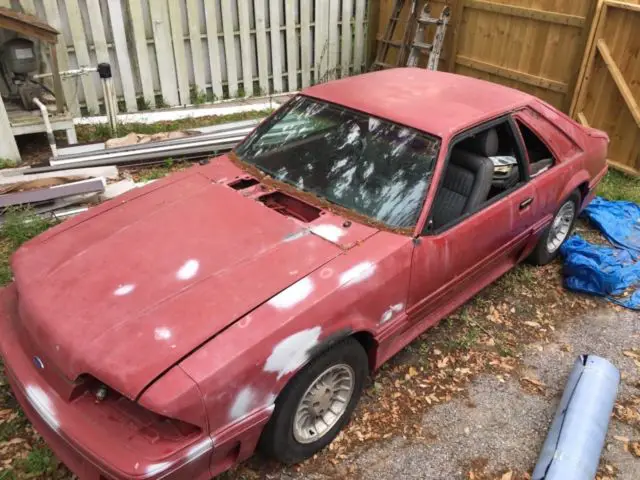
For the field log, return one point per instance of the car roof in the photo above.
(435, 102)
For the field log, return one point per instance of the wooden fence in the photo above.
(178, 52)
(580, 55)
(608, 93)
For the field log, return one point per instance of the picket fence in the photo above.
(181, 52)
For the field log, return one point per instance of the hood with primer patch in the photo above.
(127, 291)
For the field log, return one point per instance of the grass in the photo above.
(19, 226)
(101, 131)
(6, 163)
(618, 186)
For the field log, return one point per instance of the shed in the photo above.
(14, 120)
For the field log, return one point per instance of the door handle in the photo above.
(525, 203)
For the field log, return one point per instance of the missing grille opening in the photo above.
(290, 206)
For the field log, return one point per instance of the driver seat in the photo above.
(467, 178)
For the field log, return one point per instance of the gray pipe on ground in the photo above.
(574, 442)
(47, 125)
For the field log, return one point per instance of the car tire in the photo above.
(557, 232)
(285, 437)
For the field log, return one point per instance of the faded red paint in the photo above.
(188, 297)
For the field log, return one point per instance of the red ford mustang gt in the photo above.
(169, 332)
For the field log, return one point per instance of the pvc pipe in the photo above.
(47, 126)
(576, 437)
(67, 73)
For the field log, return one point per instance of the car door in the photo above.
(453, 262)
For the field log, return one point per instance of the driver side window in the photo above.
(482, 166)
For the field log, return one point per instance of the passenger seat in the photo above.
(467, 179)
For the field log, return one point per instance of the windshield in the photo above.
(371, 166)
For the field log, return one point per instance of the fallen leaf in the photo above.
(507, 475)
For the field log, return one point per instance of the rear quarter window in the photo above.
(552, 127)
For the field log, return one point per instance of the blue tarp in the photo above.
(603, 270)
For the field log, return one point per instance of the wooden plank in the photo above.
(454, 30)
(632, 7)
(534, 80)
(623, 168)
(142, 52)
(621, 83)
(28, 6)
(179, 53)
(195, 41)
(8, 146)
(61, 58)
(58, 191)
(359, 44)
(121, 49)
(305, 43)
(211, 21)
(334, 38)
(346, 35)
(582, 120)
(292, 46)
(163, 49)
(261, 46)
(230, 48)
(245, 47)
(97, 30)
(321, 40)
(58, 89)
(82, 54)
(587, 58)
(523, 12)
(276, 45)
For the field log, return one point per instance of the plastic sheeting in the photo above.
(608, 271)
(576, 437)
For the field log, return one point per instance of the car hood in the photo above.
(127, 291)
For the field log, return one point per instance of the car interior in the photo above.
(481, 168)
(540, 157)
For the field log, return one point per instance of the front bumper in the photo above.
(92, 443)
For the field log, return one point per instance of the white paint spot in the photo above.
(199, 449)
(124, 289)
(295, 236)
(292, 295)
(136, 466)
(188, 270)
(42, 404)
(155, 468)
(326, 273)
(244, 322)
(162, 333)
(329, 232)
(242, 404)
(390, 312)
(292, 352)
(271, 399)
(358, 273)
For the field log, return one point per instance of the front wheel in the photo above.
(316, 404)
(555, 234)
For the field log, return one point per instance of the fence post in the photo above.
(373, 17)
(456, 16)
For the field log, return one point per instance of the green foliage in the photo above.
(198, 96)
(102, 132)
(143, 105)
(39, 462)
(6, 163)
(618, 186)
(20, 225)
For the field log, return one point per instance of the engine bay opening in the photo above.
(290, 206)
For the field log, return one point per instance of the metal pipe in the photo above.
(576, 437)
(67, 73)
(47, 126)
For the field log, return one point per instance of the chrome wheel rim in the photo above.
(324, 403)
(560, 226)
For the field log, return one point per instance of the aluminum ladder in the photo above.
(387, 41)
(434, 49)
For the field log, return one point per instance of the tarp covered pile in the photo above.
(609, 271)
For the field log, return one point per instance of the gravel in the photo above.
(497, 426)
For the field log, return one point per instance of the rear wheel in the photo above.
(555, 234)
(316, 404)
